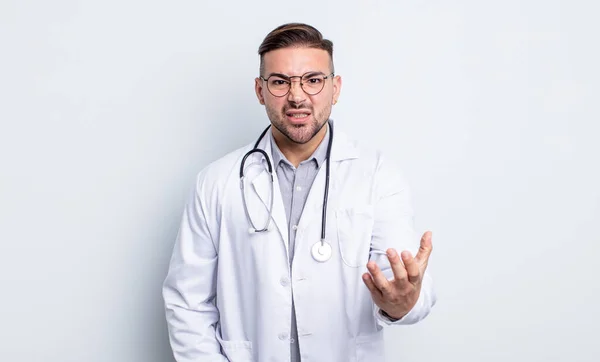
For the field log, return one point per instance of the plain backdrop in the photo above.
(108, 109)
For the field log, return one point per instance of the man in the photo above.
(239, 291)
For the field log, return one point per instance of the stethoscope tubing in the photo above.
(270, 169)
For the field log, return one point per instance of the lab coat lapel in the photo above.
(341, 149)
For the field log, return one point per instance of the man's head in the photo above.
(296, 82)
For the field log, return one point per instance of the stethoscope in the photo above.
(321, 250)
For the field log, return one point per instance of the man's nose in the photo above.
(296, 94)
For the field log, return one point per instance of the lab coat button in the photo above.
(283, 336)
(285, 281)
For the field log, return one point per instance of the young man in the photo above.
(302, 264)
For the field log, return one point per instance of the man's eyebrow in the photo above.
(310, 74)
(307, 74)
(278, 75)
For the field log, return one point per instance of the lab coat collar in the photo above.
(342, 148)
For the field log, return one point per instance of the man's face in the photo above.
(298, 115)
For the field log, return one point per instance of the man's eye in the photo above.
(278, 82)
(314, 80)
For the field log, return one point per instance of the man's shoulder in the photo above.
(228, 160)
(224, 167)
(372, 158)
(365, 151)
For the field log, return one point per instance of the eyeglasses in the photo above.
(311, 83)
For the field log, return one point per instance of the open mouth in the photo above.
(297, 116)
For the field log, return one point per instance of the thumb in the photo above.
(424, 249)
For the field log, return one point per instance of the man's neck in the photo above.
(294, 152)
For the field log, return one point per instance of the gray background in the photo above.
(109, 108)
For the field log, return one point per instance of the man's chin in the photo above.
(298, 123)
(298, 137)
(298, 133)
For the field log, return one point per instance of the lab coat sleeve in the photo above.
(394, 228)
(190, 287)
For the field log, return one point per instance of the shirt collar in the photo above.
(318, 156)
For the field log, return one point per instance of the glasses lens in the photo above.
(278, 86)
(313, 84)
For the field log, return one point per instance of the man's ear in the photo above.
(337, 88)
(258, 88)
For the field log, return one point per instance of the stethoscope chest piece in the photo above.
(321, 251)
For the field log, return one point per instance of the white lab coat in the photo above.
(228, 293)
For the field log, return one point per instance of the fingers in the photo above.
(379, 279)
(412, 268)
(424, 249)
(396, 264)
(404, 270)
(371, 286)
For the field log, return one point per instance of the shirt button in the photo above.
(283, 336)
(292, 340)
(298, 188)
(295, 227)
(285, 281)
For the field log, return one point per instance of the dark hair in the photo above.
(294, 35)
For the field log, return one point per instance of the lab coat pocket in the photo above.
(237, 351)
(354, 229)
(370, 348)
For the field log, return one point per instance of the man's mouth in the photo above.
(298, 115)
(298, 118)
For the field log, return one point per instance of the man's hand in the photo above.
(398, 296)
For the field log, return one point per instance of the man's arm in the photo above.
(190, 287)
(394, 229)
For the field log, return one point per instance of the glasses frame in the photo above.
(289, 80)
